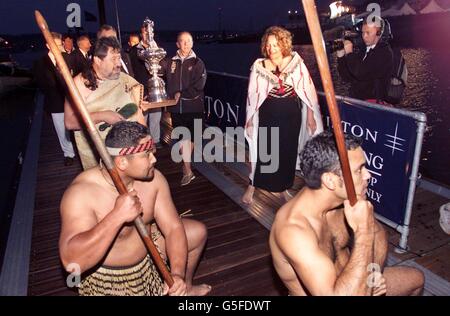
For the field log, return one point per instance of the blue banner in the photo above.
(225, 100)
(389, 141)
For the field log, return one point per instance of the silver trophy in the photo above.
(152, 55)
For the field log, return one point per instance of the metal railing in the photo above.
(15, 269)
(420, 119)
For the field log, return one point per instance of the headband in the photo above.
(130, 150)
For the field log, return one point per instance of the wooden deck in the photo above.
(236, 260)
(428, 244)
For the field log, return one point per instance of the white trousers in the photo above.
(154, 119)
(63, 135)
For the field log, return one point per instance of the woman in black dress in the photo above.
(282, 113)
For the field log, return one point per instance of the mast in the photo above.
(118, 23)
(101, 12)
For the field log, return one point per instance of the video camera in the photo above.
(349, 27)
(335, 37)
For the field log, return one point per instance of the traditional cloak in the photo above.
(110, 95)
(261, 82)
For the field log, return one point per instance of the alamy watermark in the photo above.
(74, 278)
(375, 276)
(214, 145)
(74, 17)
(373, 19)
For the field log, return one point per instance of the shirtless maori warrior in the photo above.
(97, 233)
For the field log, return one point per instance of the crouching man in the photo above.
(98, 234)
(319, 248)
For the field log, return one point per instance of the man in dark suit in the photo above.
(52, 85)
(133, 40)
(142, 75)
(68, 44)
(367, 71)
(80, 58)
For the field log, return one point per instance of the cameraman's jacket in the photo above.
(187, 76)
(369, 77)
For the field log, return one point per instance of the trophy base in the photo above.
(159, 104)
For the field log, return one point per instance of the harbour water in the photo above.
(428, 89)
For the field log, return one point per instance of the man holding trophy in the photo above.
(145, 58)
(185, 76)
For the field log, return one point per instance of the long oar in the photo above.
(321, 57)
(99, 144)
(324, 68)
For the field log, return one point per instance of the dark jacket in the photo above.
(125, 56)
(51, 84)
(368, 78)
(187, 77)
(78, 62)
(141, 73)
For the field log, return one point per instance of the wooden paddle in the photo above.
(319, 49)
(99, 144)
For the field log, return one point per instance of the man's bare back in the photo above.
(331, 234)
(310, 237)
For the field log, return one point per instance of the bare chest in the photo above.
(106, 203)
(334, 238)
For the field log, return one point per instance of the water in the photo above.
(15, 119)
(428, 89)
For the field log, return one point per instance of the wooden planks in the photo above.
(236, 260)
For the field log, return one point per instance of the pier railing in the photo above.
(15, 268)
(392, 141)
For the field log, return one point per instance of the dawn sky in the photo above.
(16, 16)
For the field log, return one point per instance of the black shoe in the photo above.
(159, 145)
(68, 161)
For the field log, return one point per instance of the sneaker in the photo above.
(444, 219)
(68, 161)
(187, 178)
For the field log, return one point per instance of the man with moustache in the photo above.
(97, 233)
(105, 90)
(106, 31)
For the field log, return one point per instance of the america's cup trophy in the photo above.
(152, 55)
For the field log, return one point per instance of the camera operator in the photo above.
(368, 71)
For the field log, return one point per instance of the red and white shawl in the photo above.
(261, 82)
